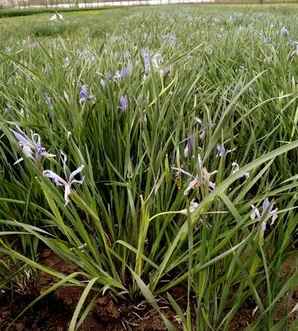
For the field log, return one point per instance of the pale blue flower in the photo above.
(69, 179)
(123, 73)
(123, 103)
(266, 212)
(147, 60)
(193, 206)
(221, 151)
(31, 147)
(85, 94)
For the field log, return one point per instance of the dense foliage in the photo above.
(154, 148)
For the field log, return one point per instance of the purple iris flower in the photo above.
(147, 60)
(123, 103)
(124, 72)
(222, 151)
(85, 94)
(69, 178)
(266, 212)
(31, 147)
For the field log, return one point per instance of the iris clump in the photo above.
(179, 165)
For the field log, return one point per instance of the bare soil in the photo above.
(55, 311)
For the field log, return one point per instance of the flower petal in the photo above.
(56, 178)
(74, 173)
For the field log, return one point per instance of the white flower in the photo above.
(235, 168)
(157, 60)
(66, 62)
(165, 71)
(193, 206)
(284, 31)
(57, 17)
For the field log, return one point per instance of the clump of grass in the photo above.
(161, 154)
(53, 30)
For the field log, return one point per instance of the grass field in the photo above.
(154, 150)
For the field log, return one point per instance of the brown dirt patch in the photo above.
(54, 312)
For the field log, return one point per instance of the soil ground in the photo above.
(55, 311)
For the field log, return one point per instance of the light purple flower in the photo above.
(147, 60)
(266, 212)
(123, 103)
(85, 94)
(31, 147)
(69, 179)
(123, 73)
(221, 151)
